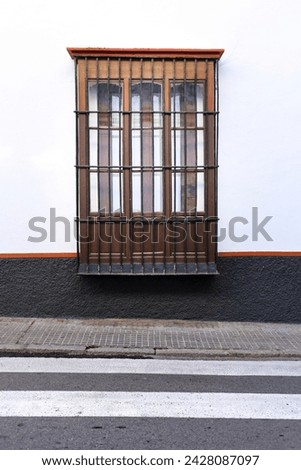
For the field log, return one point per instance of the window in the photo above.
(146, 160)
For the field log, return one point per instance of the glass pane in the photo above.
(188, 192)
(146, 103)
(157, 108)
(93, 192)
(105, 145)
(200, 104)
(148, 192)
(110, 148)
(158, 143)
(177, 148)
(116, 107)
(105, 98)
(104, 142)
(116, 150)
(187, 148)
(190, 187)
(158, 191)
(92, 105)
(136, 148)
(187, 106)
(200, 148)
(115, 203)
(147, 145)
(175, 109)
(104, 200)
(191, 148)
(177, 192)
(136, 192)
(93, 147)
(136, 110)
(116, 200)
(200, 192)
(187, 98)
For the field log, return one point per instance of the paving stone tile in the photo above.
(100, 336)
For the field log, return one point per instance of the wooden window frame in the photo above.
(126, 250)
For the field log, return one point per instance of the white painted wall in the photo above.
(260, 100)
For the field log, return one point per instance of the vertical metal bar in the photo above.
(98, 172)
(165, 173)
(126, 168)
(130, 162)
(120, 123)
(174, 164)
(110, 164)
(185, 162)
(211, 159)
(206, 162)
(153, 164)
(216, 137)
(77, 164)
(141, 162)
(88, 204)
(196, 163)
(83, 161)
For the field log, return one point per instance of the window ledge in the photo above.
(148, 269)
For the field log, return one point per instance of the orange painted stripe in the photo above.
(232, 254)
(37, 255)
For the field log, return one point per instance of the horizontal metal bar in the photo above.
(156, 219)
(187, 128)
(168, 113)
(108, 128)
(115, 168)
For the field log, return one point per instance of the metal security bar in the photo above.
(146, 167)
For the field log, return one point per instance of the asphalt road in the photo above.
(143, 404)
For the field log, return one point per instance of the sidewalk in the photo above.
(147, 338)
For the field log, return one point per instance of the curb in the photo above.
(151, 353)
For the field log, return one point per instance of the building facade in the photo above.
(178, 119)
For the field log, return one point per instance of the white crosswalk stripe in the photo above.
(137, 403)
(149, 404)
(152, 366)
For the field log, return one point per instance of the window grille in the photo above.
(146, 160)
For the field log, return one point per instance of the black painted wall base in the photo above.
(264, 289)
